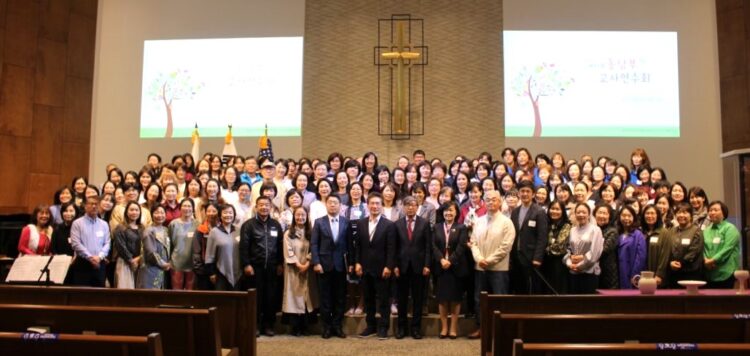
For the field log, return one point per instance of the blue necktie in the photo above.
(335, 229)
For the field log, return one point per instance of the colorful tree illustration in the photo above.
(545, 79)
(170, 86)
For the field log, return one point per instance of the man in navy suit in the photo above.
(376, 258)
(414, 242)
(330, 245)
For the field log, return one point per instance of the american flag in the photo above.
(265, 146)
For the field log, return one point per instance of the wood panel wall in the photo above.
(463, 81)
(733, 31)
(46, 80)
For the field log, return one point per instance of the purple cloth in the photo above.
(631, 255)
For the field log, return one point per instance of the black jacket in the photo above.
(127, 242)
(457, 249)
(260, 243)
(379, 253)
(61, 240)
(415, 253)
(531, 235)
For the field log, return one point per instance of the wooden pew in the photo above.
(617, 328)
(192, 332)
(14, 343)
(597, 304)
(236, 310)
(525, 349)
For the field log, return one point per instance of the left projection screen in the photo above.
(212, 83)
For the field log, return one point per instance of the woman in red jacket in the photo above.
(35, 237)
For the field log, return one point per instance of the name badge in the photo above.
(100, 234)
(190, 234)
(532, 223)
(654, 239)
(685, 242)
(716, 240)
(274, 233)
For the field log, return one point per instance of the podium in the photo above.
(44, 270)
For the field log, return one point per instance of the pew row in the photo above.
(597, 304)
(192, 332)
(16, 343)
(236, 310)
(617, 328)
(546, 349)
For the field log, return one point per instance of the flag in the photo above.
(229, 149)
(265, 146)
(195, 140)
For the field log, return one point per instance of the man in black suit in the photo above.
(330, 246)
(527, 254)
(376, 258)
(414, 244)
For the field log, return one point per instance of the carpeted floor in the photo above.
(352, 345)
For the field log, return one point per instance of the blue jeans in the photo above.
(492, 282)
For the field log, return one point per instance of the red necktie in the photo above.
(409, 228)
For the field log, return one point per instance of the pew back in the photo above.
(15, 343)
(597, 304)
(617, 328)
(546, 349)
(236, 310)
(192, 332)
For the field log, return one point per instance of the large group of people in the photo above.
(349, 233)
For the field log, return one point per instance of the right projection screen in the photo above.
(591, 84)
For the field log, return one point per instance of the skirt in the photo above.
(124, 275)
(449, 287)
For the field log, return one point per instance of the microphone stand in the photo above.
(46, 271)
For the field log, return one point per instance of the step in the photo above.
(354, 324)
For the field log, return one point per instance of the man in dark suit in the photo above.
(376, 258)
(330, 246)
(414, 244)
(527, 254)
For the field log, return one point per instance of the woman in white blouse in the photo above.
(584, 249)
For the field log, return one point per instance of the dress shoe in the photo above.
(339, 333)
(326, 334)
(416, 335)
(367, 332)
(475, 335)
(269, 332)
(383, 335)
(442, 336)
(399, 334)
(453, 336)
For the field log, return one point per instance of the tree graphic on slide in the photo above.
(170, 86)
(545, 79)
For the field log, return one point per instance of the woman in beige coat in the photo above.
(300, 294)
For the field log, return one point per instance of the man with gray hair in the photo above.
(491, 242)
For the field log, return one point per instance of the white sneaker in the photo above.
(358, 311)
(350, 311)
(394, 309)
